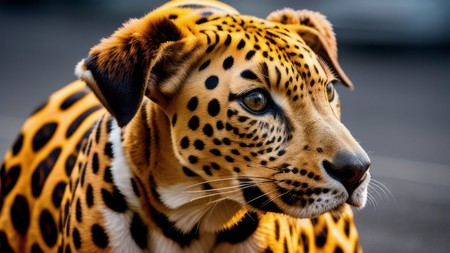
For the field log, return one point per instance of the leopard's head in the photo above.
(250, 104)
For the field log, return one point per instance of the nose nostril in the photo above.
(348, 169)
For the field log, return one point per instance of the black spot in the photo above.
(58, 193)
(215, 166)
(304, 239)
(204, 65)
(67, 250)
(20, 214)
(173, 16)
(193, 123)
(198, 144)
(109, 123)
(248, 74)
(338, 250)
(70, 163)
(249, 55)
(170, 231)
(229, 159)
(213, 107)
(256, 198)
(201, 21)
(136, 190)
(43, 135)
(77, 122)
(153, 186)
(17, 145)
(4, 243)
(192, 104)
(241, 230)
(217, 142)
(241, 44)
(139, 231)
(36, 248)
(211, 82)
(226, 141)
(174, 119)
(99, 236)
(207, 170)
(76, 238)
(9, 180)
(192, 6)
(78, 211)
(268, 250)
(219, 125)
(184, 142)
(108, 176)
(42, 171)
(242, 118)
(347, 228)
(48, 228)
(228, 62)
(321, 238)
(82, 174)
(95, 165)
(277, 230)
(115, 200)
(108, 150)
(227, 40)
(193, 159)
(208, 130)
(72, 99)
(89, 196)
(188, 172)
(215, 152)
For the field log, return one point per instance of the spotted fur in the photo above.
(201, 130)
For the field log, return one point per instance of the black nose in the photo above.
(348, 169)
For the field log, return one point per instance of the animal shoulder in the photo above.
(192, 129)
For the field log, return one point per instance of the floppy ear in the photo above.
(317, 32)
(139, 59)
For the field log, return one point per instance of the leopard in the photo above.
(191, 129)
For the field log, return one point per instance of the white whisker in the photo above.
(384, 188)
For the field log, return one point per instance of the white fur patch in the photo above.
(83, 73)
(174, 196)
(120, 168)
(118, 227)
(118, 224)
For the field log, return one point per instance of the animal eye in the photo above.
(256, 101)
(330, 91)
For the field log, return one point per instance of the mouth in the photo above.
(358, 197)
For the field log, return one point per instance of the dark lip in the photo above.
(348, 201)
(351, 188)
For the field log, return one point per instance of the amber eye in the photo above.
(256, 101)
(330, 92)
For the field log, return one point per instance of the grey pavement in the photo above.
(399, 112)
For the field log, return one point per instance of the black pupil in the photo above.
(255, 101)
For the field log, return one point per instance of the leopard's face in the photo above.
(257, 121)
(250, 108)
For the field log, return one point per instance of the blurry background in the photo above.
(397, 54)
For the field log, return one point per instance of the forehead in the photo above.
(271, 51)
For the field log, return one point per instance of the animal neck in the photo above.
(185, 202)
